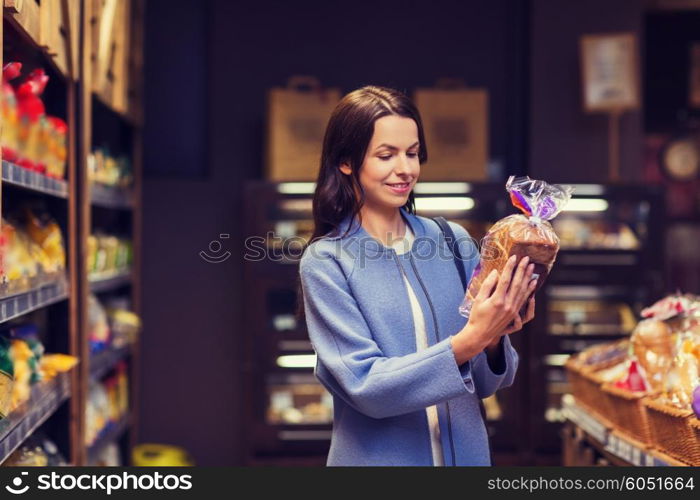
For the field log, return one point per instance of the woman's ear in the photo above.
(345, 168)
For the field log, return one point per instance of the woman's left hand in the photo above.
(518, 322)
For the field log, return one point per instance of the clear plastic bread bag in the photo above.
(527, 234)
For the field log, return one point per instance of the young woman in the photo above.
(381, 295)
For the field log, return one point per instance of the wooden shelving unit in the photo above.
(109, 108)
(92, 52)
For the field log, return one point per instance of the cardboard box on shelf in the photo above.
(455, 119)
(296, 121)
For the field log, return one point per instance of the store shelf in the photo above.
(598, 257)
(102, 362)
(111, 197)
(111, 433)
(15, 305)
(33, 181)
(43, 402)
(613, 443)
(105, 283)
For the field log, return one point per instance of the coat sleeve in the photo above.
(487, 381)
(351, 365)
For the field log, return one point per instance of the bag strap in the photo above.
(454, 247)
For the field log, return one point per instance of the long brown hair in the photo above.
(346, 140)
(348, 134)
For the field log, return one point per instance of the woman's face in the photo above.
(391, 167)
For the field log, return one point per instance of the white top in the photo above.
(402, 246)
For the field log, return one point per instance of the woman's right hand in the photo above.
(494, 308)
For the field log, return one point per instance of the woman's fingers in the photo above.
(517, 325)
(519, 284)
(504, 280)
(527, 292)
(530, 314)
(487, 286)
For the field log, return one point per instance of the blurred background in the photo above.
(151, 138)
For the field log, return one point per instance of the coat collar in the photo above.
(356, 231)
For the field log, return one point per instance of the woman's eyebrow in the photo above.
(394, 148)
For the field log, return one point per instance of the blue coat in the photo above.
(360, 324)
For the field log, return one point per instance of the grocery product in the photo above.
(109, 456)
(653, 346)
(7, 377)
(528, 234)
(633, 380)
(99, 334)
(106, 169)
(108, 255)
(45, 232)
(31, 138)
(37, 451)
(33, 251)
(52, 364)
(10, 113)
(124, 326)
(160, 455)
(107, 404)
(57, 148)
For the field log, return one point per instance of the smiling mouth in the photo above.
(400, 185)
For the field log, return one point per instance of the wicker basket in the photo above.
(586, 385)
(627, 413)
(673, 431)
(694, 424)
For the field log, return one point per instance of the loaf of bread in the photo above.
(516, 235)
(528, 234)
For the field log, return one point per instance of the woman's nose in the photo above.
(402, 166)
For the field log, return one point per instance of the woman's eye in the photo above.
(412, 154)
(385, 157)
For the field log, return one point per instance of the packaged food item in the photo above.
(58, 148)
(46, 233)
(684, 376)
(124, 326)
(108, 457)
(33, 125)
(108, 255)
(28, 456)
(19, 266)
(104, 168)
(160, 455)
(107, 403)
(53, 364)
(99, 335)
(7, 377)
(680, 311)
(10, 113)
(32, 250)
(653, 346)
(527, 234)
(21, 355)
(37, 451)
(696, 401)
(634, 380)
